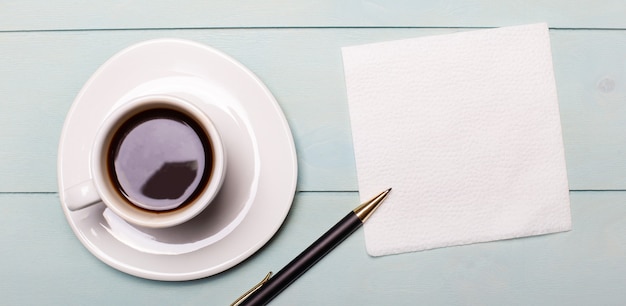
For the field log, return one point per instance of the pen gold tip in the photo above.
(365, 210)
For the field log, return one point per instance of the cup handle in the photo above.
(81, 195)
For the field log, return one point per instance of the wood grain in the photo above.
(48, 49)
(41, 72)
(161, 14)
(44, 263)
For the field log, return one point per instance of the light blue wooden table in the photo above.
(48, 49)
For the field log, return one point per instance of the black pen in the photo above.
(271, 286)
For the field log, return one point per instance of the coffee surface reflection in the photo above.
(160, 160)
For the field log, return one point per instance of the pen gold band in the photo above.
(252, 290)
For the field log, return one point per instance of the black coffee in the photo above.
(160, 159)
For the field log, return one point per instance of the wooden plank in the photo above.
(122, 14)
(590, 82)
(44, 263)
(41, 72)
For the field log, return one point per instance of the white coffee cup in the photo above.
(157, 161)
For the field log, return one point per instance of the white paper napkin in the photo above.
(465, 128)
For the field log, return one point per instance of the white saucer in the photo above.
(261, 173)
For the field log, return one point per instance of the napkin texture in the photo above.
(465, 128)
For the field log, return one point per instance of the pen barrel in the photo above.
(305, 260)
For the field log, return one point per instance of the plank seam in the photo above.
(299, 191)
(285, 28)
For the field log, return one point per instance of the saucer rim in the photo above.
(234, 260)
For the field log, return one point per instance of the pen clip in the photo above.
(252, 290)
